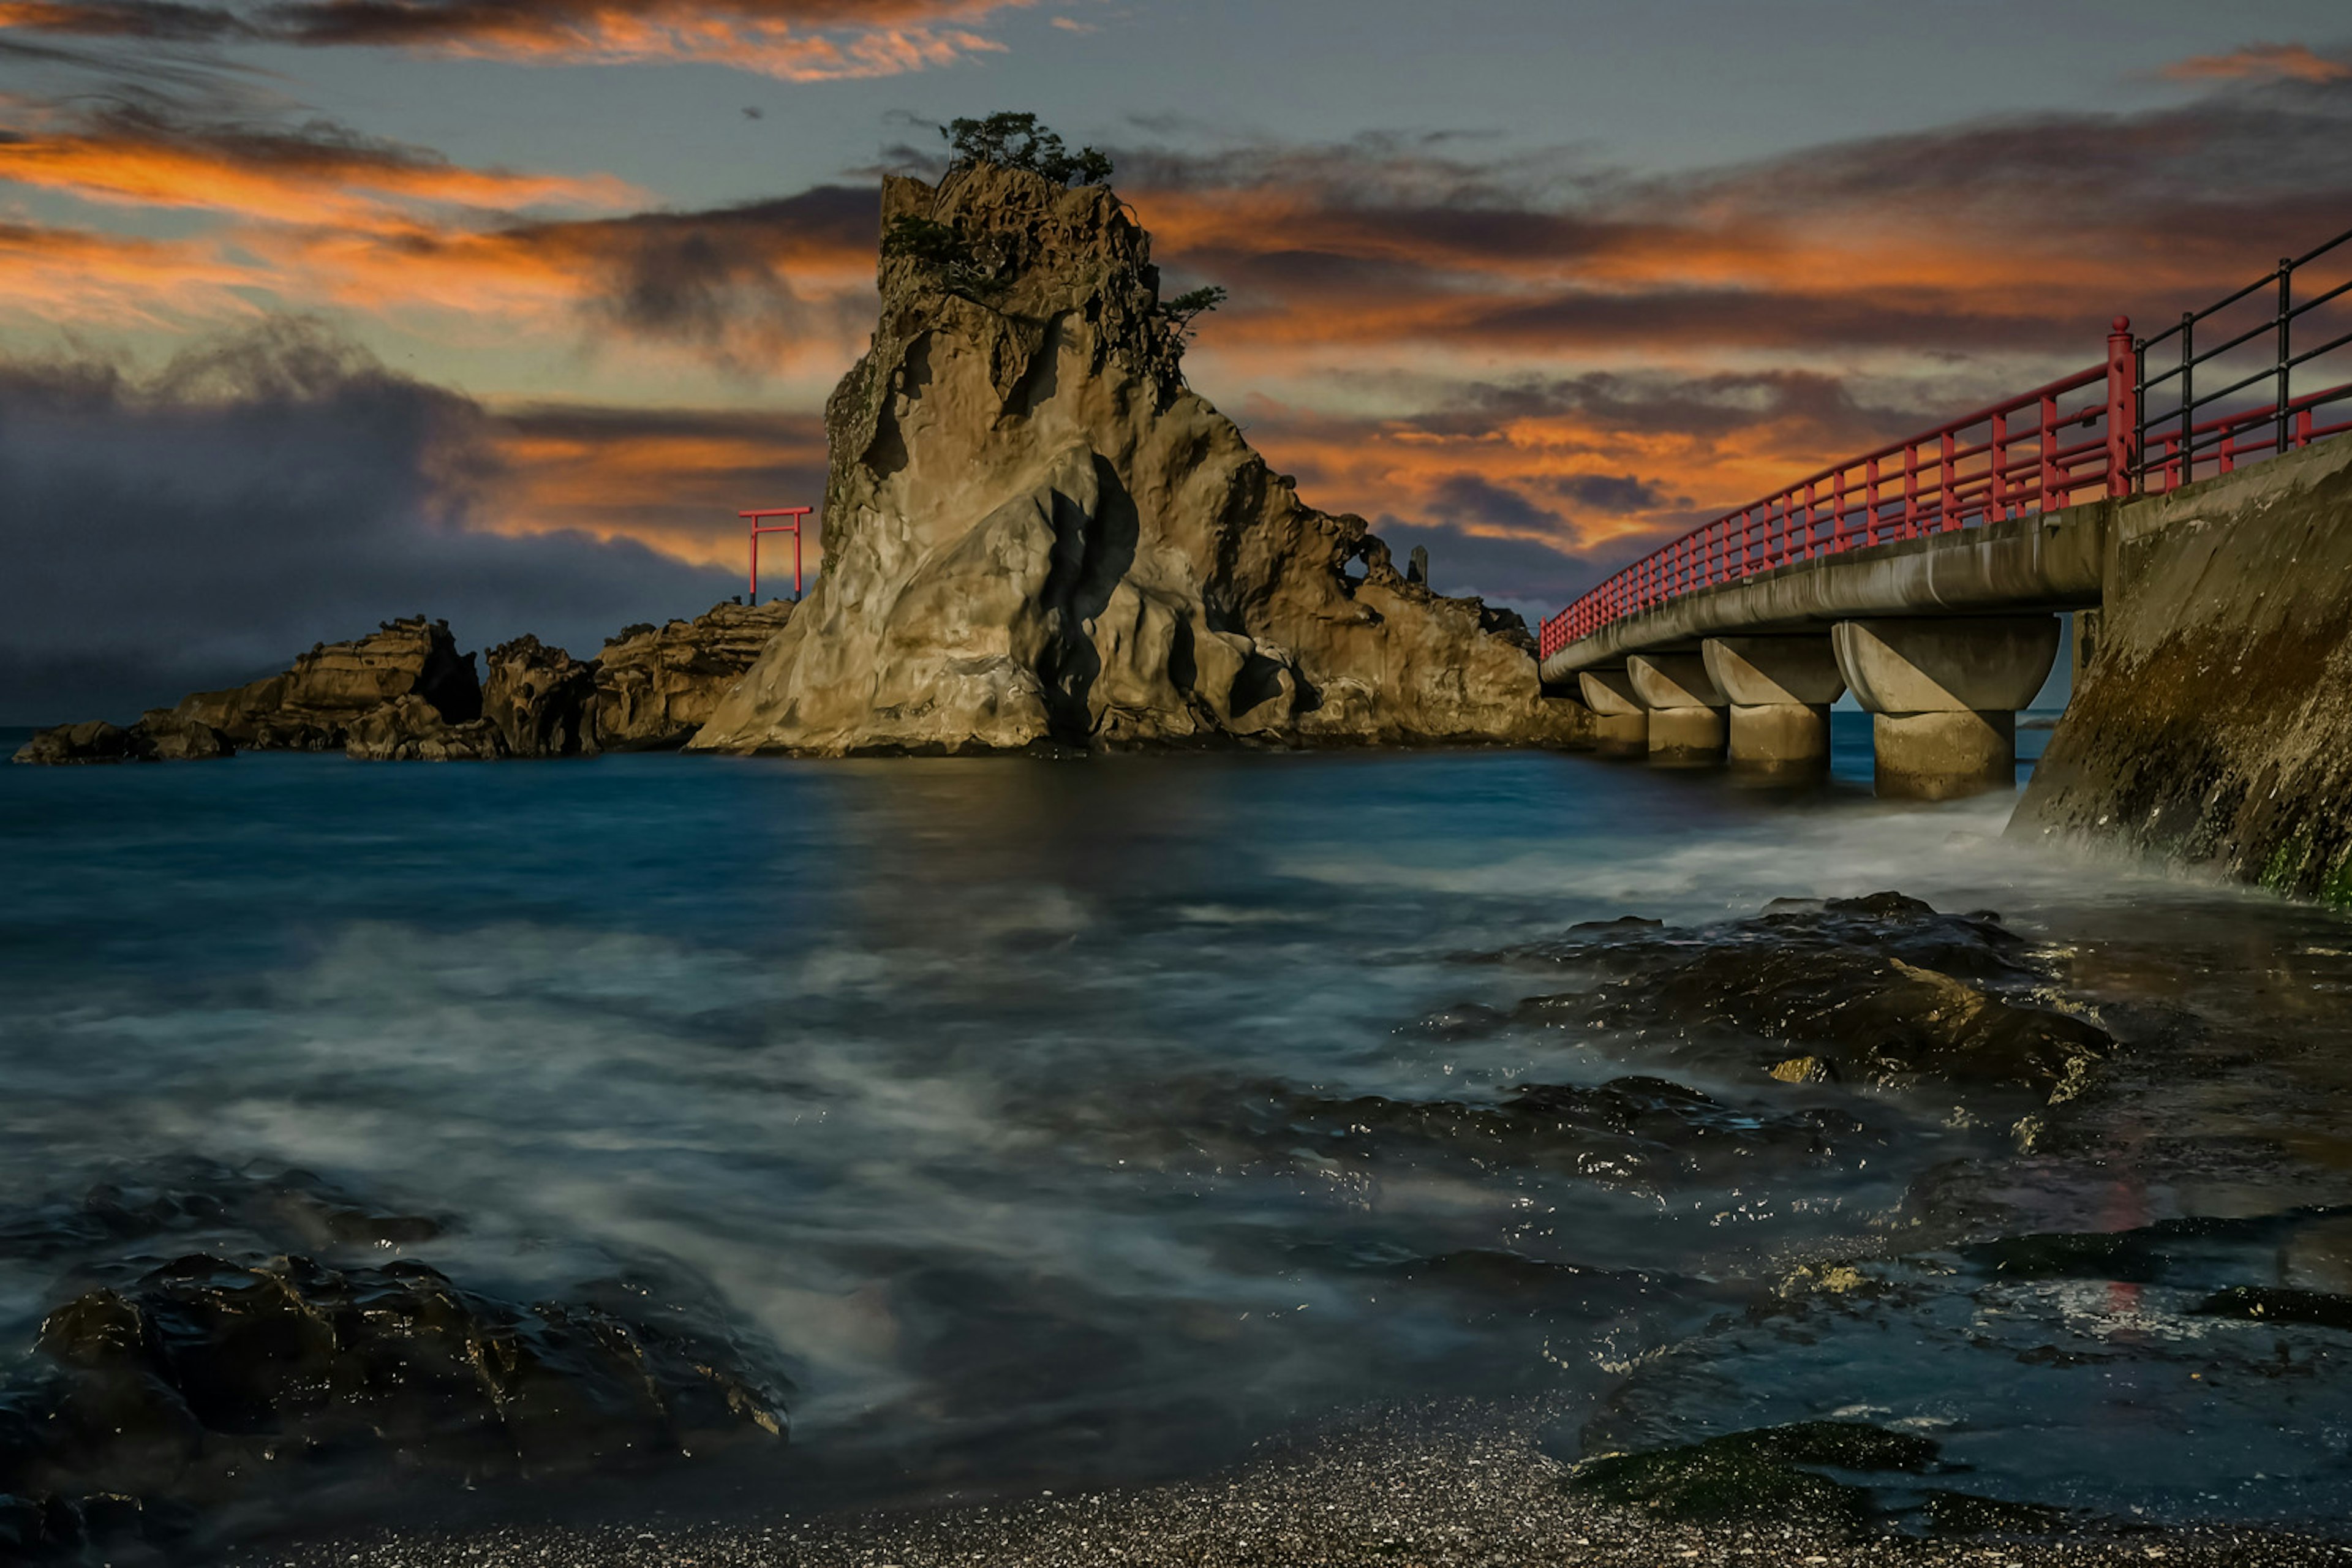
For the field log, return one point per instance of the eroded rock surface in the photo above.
(541, 700)
(313, 706)
(1883, 990)
(1036, 534)
(656, 686)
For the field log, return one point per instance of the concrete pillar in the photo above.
(1686, 728)
(1943, 697)
(1780, 689)
(1621, 724)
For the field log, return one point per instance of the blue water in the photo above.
(927, 1070)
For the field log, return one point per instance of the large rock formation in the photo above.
(312, 707)
(656, 686)
(1035, 532)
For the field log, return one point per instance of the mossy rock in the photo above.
(1767, 1473)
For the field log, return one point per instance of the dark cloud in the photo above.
(1815, 406)
(719, 279)
(1614, 493)
(261, 494)
(1526, 574)
(1464, 498)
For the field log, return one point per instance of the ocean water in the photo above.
(970, 1089)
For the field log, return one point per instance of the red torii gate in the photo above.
(793, 528)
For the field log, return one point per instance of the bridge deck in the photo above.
(2045, 561)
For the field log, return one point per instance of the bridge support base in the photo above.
(1943, 756)
(1780, 688)
(1780, 739)
(1944, 696)
(1686, 721)
(1620, 723)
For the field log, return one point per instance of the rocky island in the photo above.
(1037, 534)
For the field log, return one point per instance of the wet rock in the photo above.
(656, 686)
(94, 742)
(541, 700)
(290, 1210)
(1883, 990)
(163, 736)
(1771, 1473)
(411, 730)
(1037, 535)
(313, 706)
(1643, 1133)
(2274, 1304)
(174, 737)
(209, 1382)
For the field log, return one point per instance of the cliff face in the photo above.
(1035, 533)
(312, 706)
(656, 686)
(2213, 724)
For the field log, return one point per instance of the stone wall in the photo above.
(2213, 724)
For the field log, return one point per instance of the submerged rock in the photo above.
(209, 1382)
(185, 1197)
(656, 686)
(1035, 533)
(1881, 990)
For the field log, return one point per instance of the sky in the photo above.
(316, 311)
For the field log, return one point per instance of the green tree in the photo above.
(1191, 305)
(1019, 141)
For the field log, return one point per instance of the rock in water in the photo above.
(313, 706)
(1035, 532)
(163, 736)
(656, 686)
(541, 700)
(209, 1382)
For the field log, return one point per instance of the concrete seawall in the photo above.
(2212, 722)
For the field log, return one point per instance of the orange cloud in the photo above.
(277, 177)
(672, 480)
(798, 41)
(2262, 62)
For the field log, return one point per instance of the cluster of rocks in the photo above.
(163, 1398)
(404, 692)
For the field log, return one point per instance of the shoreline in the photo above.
(1457, 1487)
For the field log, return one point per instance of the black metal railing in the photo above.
(2256, 411)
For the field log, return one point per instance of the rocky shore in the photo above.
(404, 692)
(1459, 1487)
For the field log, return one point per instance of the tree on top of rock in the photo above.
(1019, 141)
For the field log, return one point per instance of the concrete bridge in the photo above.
(1927, 577)
(1941, 637)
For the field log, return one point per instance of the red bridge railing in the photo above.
(2037, 452)
(2081, 436)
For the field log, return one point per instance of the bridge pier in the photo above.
(1943, 697)
(1621, 725)
(1780, 689)
(1686, 719)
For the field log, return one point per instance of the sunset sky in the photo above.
(316, 311)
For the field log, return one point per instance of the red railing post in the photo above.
(2053, 487)
(1996, 473)
(1948, 496)
(1910, 488)
(1870, 517)
(2123, 407)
